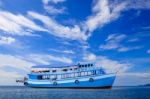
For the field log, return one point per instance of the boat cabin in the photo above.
(64, 72)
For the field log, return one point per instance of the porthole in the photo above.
(76, 81)
(55, 83)
(91, 80)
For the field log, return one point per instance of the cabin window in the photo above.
(71, 75)
(39, 77)
(58, 76)
(82, 65)
(93, 72)
(75, 68)
(65, 70)
(89, 73)
(85, 65)
(46, 77)
(88, 65)
(82, 73)
(79, 66)
(46, 71)
(63, 76)
(75, 74)
(91, 64)
(43, 77)
(53, 71)
(53, 77)
(79, 74)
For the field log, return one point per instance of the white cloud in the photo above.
(45, 2)
(21, 65)
(116, 37)
(52, 1)
(148, 51)
(26, 61)
(112, 65)
(109, 64)
(89, 57)
(138, 4)
(58, 1)
(139, 61)
(132, 79)
(68, 51)
(113, 41)
(62, 51)
(9, 77)
(103, 14)
(105, 11)
(17, 24)
(14, 61)
(133, 40)
(56, 29)
(6, 40)
(138, 74)
(109, 46)
(47, 59)
(133, 4)
(53, 10)
(125, 49)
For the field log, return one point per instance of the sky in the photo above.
(114, 34)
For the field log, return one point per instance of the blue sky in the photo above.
(112, 33)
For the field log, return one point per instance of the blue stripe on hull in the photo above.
(103, 82)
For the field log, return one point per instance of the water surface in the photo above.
(20, 92)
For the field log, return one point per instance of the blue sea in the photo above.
(20, 92)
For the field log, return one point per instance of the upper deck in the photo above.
(60, 68)
(63, 72)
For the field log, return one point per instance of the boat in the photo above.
(71, 76)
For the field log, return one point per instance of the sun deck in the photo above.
(60, 68)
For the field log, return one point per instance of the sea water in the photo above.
(20, 92)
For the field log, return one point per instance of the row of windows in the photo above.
(63, 76)
(53, 71)
(86, 65)
(65, 70)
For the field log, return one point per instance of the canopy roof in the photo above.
(52, 66)
(58, 65)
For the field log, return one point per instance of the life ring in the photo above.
(91, 80)
(76, 81)
(55, 83)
